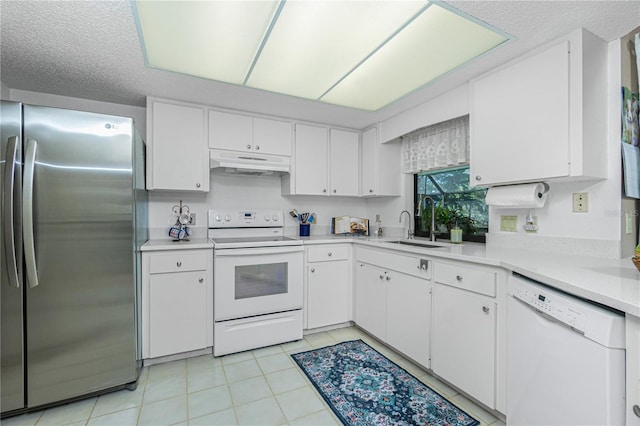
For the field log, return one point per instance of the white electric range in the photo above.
(258, 280)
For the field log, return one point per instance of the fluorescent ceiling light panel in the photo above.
(437, 42)
(315, 43)
(212, 39)
(360, 54)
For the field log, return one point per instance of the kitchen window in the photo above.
(457, 203)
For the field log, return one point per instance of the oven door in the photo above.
(256, 281)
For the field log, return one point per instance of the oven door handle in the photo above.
(258, 251)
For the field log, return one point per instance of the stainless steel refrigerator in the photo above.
(73, 219)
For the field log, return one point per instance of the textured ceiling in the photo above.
(90, 49)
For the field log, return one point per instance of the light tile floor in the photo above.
(260, 387)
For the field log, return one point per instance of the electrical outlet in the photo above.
(192, 221)
(509, 223)
(580, 202)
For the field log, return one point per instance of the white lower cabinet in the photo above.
(464, 341)
(393, 301)
(371, 300)
(178, 313)
(328, 290)
(468, 330)
(408, 316)
(177, 302)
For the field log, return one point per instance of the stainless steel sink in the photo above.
(415, 244)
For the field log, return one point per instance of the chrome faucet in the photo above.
(409, 232)
(432, 230)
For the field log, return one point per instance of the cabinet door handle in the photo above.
(485, 309)
(178, 264)
(371, 190)
(636, 410)
(248, 146)
(329, 254)
(200, 280)
(197, 185)
(381, 277)
(334, 191)
(324, 190)
(478, 178)
(459, 278)
(313, 269)
(388, 278)
(257, 147)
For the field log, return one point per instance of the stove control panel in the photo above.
(245, 218)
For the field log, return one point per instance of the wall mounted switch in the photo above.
(192, 221)
(580, 202)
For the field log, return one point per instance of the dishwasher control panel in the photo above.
(546, 302)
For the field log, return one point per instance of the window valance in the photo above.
(441, 145)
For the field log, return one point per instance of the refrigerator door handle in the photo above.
(27, 212)
(9, 221)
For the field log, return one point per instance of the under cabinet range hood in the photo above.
(248, 163)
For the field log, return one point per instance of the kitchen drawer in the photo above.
(476, 280)
(323, 253)
(407, 264)
(181, 261)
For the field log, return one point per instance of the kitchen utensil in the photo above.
(294, 214)
(312, 218)
(304, 217)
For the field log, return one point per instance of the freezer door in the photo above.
(81, 330)
(11, 289)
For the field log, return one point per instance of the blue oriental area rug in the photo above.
(364, 388)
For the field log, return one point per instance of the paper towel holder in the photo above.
(546, 189)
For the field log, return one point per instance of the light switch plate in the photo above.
(192, 222)
(580, 202)
(509, 223)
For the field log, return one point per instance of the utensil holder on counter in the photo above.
(305, 229)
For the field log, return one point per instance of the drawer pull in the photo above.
(313, 269)
(248, 146)
(459, 278)
(257, 147)
(636, 410)
(485, 309)
(200, 280)
(178, 264)
(329, 254)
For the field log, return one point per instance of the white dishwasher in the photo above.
(565, 358)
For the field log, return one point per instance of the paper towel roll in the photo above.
(530, 195)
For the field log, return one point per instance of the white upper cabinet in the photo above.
(177, 152)
(542, 117)
(344, 154)
(272, 136)
(236, 132)
(380, 166)
(311, 160)
(325, 162)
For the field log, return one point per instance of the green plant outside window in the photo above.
(457, 204)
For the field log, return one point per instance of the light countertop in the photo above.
(611, 282)
(167, 244)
